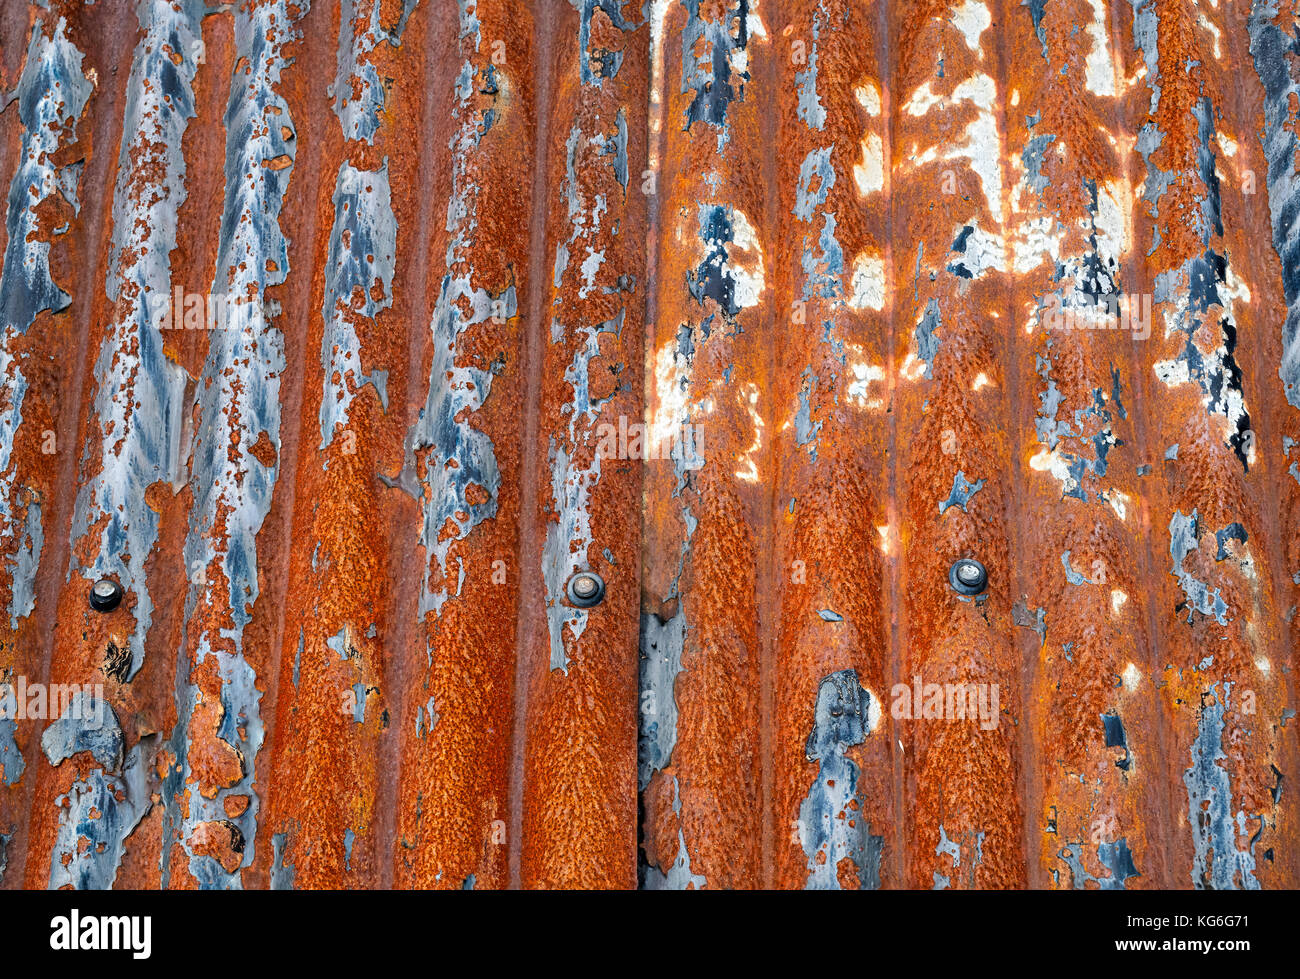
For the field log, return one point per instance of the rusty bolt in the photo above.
(105, 595)
(586, 588)
(968, 577)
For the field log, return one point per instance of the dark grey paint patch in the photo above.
(832, 822)
(87, 724)
(1217, 863)
(962, 490)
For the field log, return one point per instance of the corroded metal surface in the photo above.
(342, 334)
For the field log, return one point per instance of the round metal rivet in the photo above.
(586, 588)
(968, 577)
(105, 595)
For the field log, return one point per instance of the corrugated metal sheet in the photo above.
(342, 335)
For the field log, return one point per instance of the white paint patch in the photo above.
(984, 252)
(863, 376)
(1114, 219)
(1118, 502)
(869, 175)
(1036, 240)
(667, 413)
(747, 268)
(1172, 373)
(1052, 461)
(981, 381)
(979, 88)
(868, 97)
(1132, 677)
(972, 19)
(749, 468)
(868, 282)
(874, 713)
(1117, 600)
(1214, 32)
(913, 368)
(1100, 71)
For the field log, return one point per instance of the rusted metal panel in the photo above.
(343, 334)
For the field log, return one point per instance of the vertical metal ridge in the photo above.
(833, 756)
(1081, 604)
(1214, 633)
(706, 427)
(954, 501)
(579, 760)
(335, 707)
(462, 463)
(55, 87)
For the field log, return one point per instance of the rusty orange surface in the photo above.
(342, 338)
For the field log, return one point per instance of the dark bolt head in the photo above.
(968, 577)
(586, 589)
(105, 595)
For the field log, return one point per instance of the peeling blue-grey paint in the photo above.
(1075, 577)
(927, 343)
(810, 108)
(1032, 157)
(238, 403)
(282, 874)
(52, 93)
(952, 849)
(1036, 10)
(1115, 857)
(805, 429)
(140, 391)
(962, 490)
(661, 664)
(1275, 47)
(816, 178)
(1184, 537)
(721, 80)
(12, 763)
(104, 808)
(358, 90)
(86, 724)
(1234, 531)
(362, 258)
(832, 818)
(1079, 472)
(1217, 863)
(27, 558)
(1202, 281)
(597, 64)
(678, 876)
(1115, 737)
(458, 481)
(1027, 618)
(573, 479)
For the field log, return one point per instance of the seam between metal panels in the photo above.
(887, 61)
(1132, 273)
(530, 530)
(1030, 779)
(656, 141)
